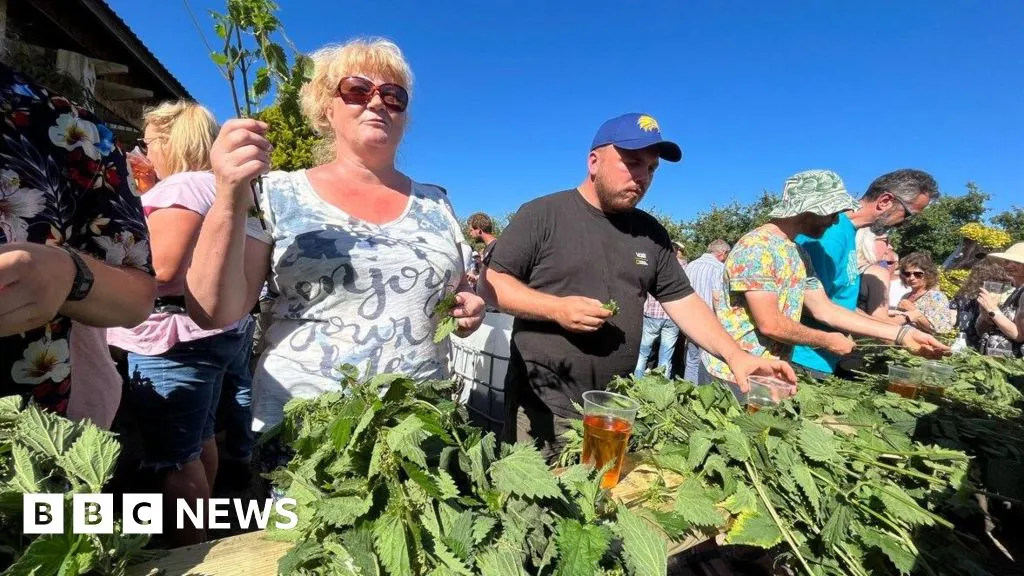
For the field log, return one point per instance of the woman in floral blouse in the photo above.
(73, 242)
(925, 306)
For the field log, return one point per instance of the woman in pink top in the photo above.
(176, 369)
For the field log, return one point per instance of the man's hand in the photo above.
(581, 314)
(921, 344)
(469, 310)
(744, 365)
(839, 344)
(35, 280)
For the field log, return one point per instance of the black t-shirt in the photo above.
(561, 245)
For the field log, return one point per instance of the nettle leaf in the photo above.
(359, 543)
(480, 456)
(754, 529)
(525, 473)
(92, 457)
(901, 557)
(446, 484)
(26, 473)
(695, 506)
(662, 394)
(742, 500)
(817, 442)
(46, 433)
(405, 439)
(343, 511)
(459, 535)
(46, 554)
(642, 546)
(786, 456)
(700, 444)
(902, 507)
(671, 523)
(391, 542)
(838, 525)
(482, 527)
(500, 562)
(580, 548)
(424, 480)
(803, 477)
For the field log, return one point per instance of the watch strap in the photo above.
(82, 284)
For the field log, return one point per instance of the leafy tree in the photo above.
(728, 222)
(296, 146)
(936, 230)
(1012, 221)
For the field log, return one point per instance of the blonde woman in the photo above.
(356, 253)
(176, 368)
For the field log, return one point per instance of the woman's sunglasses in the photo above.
(357, 90)
(914, 274)
(143, 145)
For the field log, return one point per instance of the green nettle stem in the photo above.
(778, 521)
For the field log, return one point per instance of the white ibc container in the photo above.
(480, 362)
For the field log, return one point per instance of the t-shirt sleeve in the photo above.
(671, 283)
(108, 221)
(515, 252)
(186, 190)
(751, 267)
(259, 224)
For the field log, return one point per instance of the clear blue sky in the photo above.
(508, 94)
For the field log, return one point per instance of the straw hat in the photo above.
(1014, 253)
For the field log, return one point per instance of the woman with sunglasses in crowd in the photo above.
(356, 254)
(177, 369)
(924, 306)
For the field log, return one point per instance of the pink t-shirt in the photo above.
(193, 191)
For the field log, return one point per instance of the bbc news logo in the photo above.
(143, 513)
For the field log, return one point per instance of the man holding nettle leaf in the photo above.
(569, 261)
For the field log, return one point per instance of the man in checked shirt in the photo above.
(657, 325)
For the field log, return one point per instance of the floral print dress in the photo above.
(934, 306)
(760, 261)
(62, 181)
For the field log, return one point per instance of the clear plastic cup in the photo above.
(994, 287)
(935, 376)
(904, 381)
(607, 424)
(767, 391)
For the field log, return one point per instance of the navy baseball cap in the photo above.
(634, 132)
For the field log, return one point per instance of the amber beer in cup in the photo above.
(767, 391)
(607, 423)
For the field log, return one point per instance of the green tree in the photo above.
(296, 146)
(728, 222)
(1012, 221)
(936, 230)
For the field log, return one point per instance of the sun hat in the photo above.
(1014, 253)
(819, 192)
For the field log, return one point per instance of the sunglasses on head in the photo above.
(913, 274)
(359, 91)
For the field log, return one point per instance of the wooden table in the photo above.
(252, 555)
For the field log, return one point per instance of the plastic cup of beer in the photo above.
(607, 423)
(767, 391)
(995, 288)
(904, 381)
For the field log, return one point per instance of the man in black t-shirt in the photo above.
(566, 253)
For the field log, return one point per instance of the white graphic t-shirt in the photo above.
(350, 292)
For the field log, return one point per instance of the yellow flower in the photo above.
(988, 237)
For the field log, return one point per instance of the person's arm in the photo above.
(512, 296)
(172, 234)
(826, 312)
(765, 314)
(695, 319)
(35, 280)
(224, 285)
(875, 283)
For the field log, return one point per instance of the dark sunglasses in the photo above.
(143, 145)
(907, 214)
(916, 274)
(357, 90)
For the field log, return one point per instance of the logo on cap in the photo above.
(647, 123)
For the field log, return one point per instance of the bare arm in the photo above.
(764, 311)
(172, 234)
(696, 319)
(875, 281)
(224, 285)
(826, 312)
(509, 294)
(120, 297)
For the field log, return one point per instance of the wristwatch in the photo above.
(82, 284)
(991, 313)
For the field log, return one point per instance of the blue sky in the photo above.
(509, 94)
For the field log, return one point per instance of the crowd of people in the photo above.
(226, 289)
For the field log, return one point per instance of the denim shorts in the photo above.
(175, 394)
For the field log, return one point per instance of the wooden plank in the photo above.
(252, 555)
